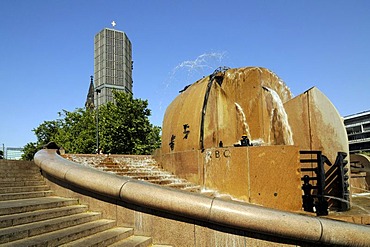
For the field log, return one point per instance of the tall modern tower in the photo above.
(112, 64)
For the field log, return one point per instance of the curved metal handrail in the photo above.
(232, 214)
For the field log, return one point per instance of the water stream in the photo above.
(278, 114)
(205, 62)
(358, 188)
(352, 204)
(246, 130)
(243, 120)
(183, 74)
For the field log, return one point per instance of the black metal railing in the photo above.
(314, 194)
(316, 178)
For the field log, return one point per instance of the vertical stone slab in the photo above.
(186, 164)
(327, 126)
(275, 179)
(226, 170)
(268, 176)
(299, 120)
(317, 125)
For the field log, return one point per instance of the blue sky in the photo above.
(46, 51)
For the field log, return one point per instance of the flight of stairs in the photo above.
(143, 168)
(140, 168)
(30, 215)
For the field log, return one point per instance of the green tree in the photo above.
(45, 133)
(124, 128)
(29, 151)
(76, 133)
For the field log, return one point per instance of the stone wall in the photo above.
(267, 175)
(162, 227)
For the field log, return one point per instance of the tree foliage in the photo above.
(124, 128)
(45, 133)
(29, 150)
(76, 133)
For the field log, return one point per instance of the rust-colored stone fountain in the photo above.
(240, 131)
(237, 132)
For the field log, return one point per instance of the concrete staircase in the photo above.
(30, 215)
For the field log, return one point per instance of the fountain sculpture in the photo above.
(237, 132)
(284, 139)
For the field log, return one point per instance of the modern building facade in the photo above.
(112, 64)
(358, 131)
(12, 153)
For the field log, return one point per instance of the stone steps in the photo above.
(137, 169)
(24, 195)
(63, 236)
(10, 189)
(21, 183)
(161, 181)
(39, 215)
(18, 179)
(18, 173)
(104, 238)
(33, 204)
(31, 216)
(133, 241)
(13, 233)
(185, 186)
(153, 174)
